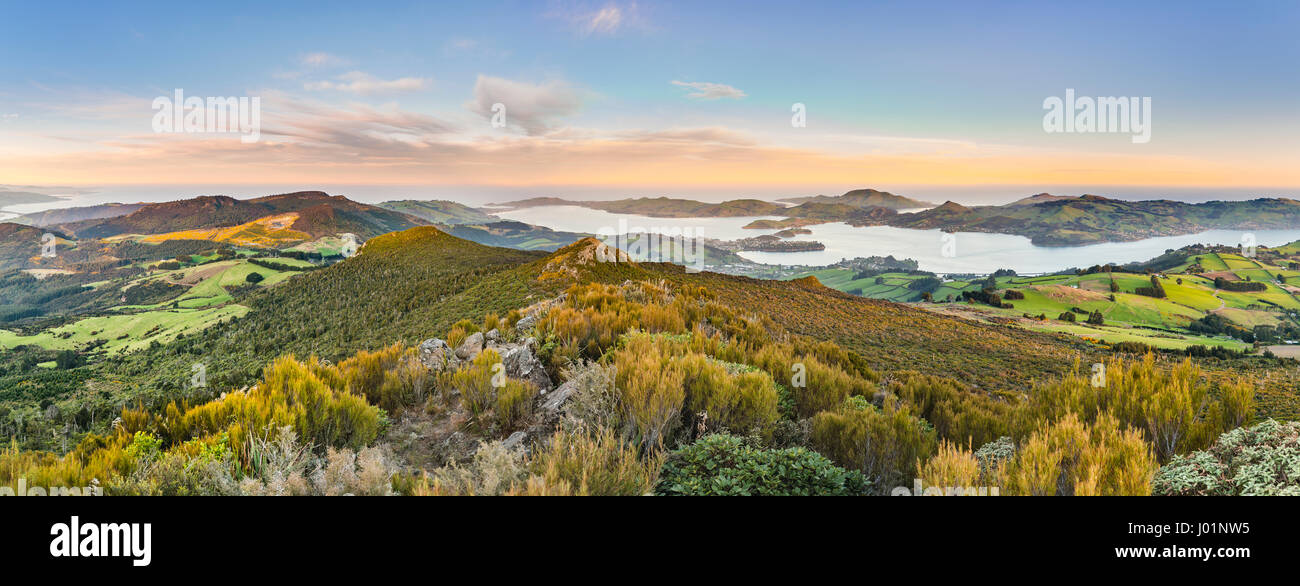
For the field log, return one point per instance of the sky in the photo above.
(621, 98)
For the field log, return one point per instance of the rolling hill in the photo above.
(864, 199)
(440, 211)
(1089, 219)
(319, 215)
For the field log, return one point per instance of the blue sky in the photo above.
(906, 92)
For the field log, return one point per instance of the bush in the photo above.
(724, 465)
(884, 444)
(599, 464)
(1176, 409)
(1073, 458)
(254, 277)
(1261, 460)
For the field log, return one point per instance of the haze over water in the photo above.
(974, 252)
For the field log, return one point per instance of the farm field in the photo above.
(128, 327)
(125, 332)
(1128, 316)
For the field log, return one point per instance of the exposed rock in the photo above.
(522, 364)
(492, 336)
(526, 323)
(554, 401)
(436, 354)
(470, 348)
(515, 441)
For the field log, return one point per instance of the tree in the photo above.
(254, 278)
(67, 359)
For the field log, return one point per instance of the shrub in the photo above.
(493, 471)
(724, 465)
(1070, 457)
(475, 382)
(958, 414)
(657, 378)
(951, 466)
(598, 464)
(884, 444)
(594, 403)
(514, 403)
(992, 455)
(1173, 407)
(1260, 460)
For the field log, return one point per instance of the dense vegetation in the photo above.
(673, 383)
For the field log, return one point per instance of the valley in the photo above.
(402, 332)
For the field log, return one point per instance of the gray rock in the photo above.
(515, 441)
(526, 323)
(436, 354)
(470, 348)
(493, 335)
(555, 400)
(520, 363)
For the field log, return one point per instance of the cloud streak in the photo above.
(703, 90)
(361, 83)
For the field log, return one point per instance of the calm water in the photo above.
(972, 252)
(580, 219)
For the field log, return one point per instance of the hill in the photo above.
(12, 197)
(319, 215)
(619, 378)
(863, 199)
(439, 212)
(1089, 219)
(68, 215)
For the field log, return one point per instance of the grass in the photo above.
(268, 232)
(136, 330)
(208, 281)
(1189, 297)
(1115, 335)
(1212, 262)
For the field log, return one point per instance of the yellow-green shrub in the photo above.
(1070, 457)
(884, 444)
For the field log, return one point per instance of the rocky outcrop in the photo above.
(521, 363)
(436, 355)
(470, 348)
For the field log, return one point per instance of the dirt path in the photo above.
(1222, 303)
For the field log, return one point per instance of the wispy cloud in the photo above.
(604, 20)
(703, 90)
(359, 82)
(321, 60)
(534, 108)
